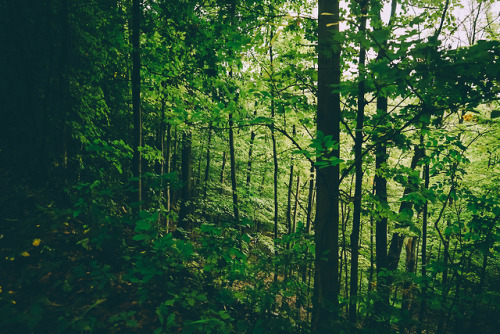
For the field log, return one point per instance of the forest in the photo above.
(250, 166)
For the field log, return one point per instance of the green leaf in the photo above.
(143, 225)
(139, 237)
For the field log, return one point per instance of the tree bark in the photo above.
(250, 151)
(223, 167)
(233, 169)
(168, 153)
(275, 159)
(187, 177)
(310, 201)
(136, 97)
(423, 304)
(358, 187)
(207, 167)
(381, 306)
(326, 284)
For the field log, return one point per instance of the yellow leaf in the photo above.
(25, 254)
(36, 242)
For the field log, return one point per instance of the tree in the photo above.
(358, 158)
(326, 285)
(136, 95)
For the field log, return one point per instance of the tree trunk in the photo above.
(326, 283)
(275, 158)
(63, 97)
(136, 96)
(372, 255)
(168, 153)
(295, 207)
(224, 158)
(289, 210)
(207, 167)
(187, 178)
(423, 304)
(310, 200)
(250, 151)
(160, 142)
(358, 187)
(381, 306)
(233, 169)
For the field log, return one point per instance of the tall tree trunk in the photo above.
(232, 159)
(295, 207)
(275, 158)
(423, 303)
(160, 142)
(160, 165)
(187, 178)
(250, 151)
(222, 169)
(326, 283)
(63, 97)
(289, 196)
(168, 153)
(358, 187)
(136, 96)
(233, 169)
(310, 200)
(207, 167)
(372, 255)
(289, 210)
(381, 306)
(407, 294)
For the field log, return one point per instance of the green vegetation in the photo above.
(249, 166)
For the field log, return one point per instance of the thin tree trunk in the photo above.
(295, 207)
(168, 154)
(423, 304)
(232, 158)
(326, 283)
(310, 200)
(275, 157)
(372, 255)
(187, 178)
(289, 208)
(289, 196)
(233, 170)
(136, 96)
(411, 257)
(160, 165)
(207, 167)
(382, 305)
(222, 171)
(250, 151)
(358, 187)
(64, 91)
(160, 142)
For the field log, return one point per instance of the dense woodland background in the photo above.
(242, 166)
